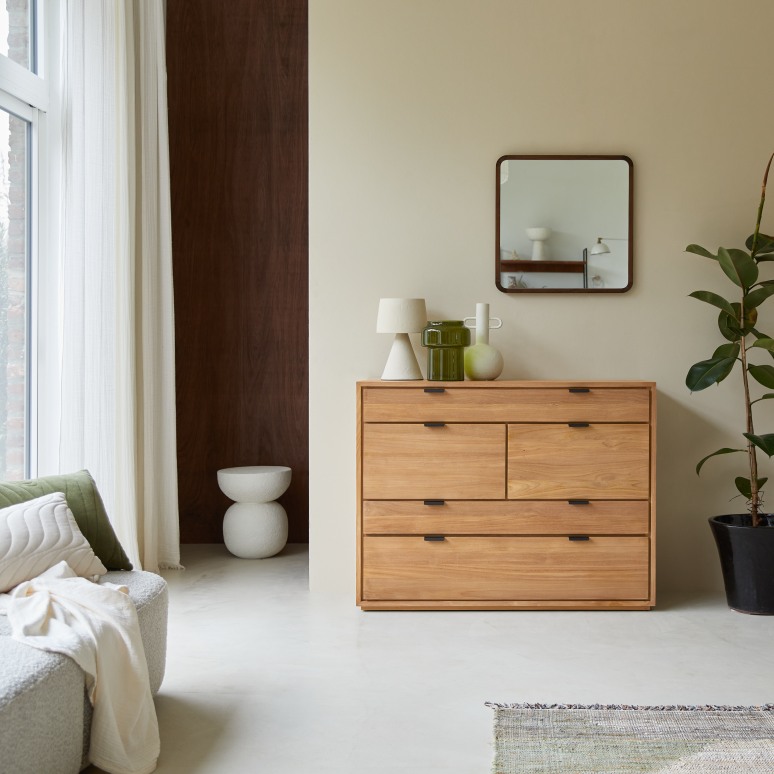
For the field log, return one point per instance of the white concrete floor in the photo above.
(263, 676)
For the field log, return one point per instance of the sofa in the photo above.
(45, 714)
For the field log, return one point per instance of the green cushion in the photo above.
(86, 505)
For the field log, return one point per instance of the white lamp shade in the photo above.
(401, 315)
(599, 248)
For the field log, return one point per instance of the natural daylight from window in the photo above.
(15, 43)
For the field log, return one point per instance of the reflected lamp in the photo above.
(600, 247)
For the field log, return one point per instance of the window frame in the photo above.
(29, 96)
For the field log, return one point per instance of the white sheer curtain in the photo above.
(117, 373)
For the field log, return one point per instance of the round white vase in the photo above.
(483, 362)
(255, 530)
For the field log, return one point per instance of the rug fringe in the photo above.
(663, 707)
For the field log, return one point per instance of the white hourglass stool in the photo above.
(255, 526)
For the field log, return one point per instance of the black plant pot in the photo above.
(747, 560)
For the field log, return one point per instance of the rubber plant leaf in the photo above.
(699, 250)
(729, 327)
(759, 335)
(738, 266)
(764, 442)
(727, 350)
(767, 396)
(750, 318)
(708, 372)
(744, 488)
(713, 298)
(756, 297)
(763, 374)
(765, 244)
(764, 342)
(724, 450)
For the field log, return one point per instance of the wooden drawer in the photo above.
(517, 404)
(411, 461)
(505, 568)
(462, 517)
(609, 462)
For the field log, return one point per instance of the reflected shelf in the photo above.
(565, 267)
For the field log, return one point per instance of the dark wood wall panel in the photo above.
(237, 84)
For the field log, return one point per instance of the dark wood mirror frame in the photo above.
(575, 260)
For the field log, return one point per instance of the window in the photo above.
(23, 100)
(17, 32)
(14, 295)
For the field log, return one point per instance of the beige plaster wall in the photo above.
(411, 104)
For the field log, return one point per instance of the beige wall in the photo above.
(411, 104)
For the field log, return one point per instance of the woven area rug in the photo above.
(532, 738)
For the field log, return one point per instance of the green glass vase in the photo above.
(446, 341)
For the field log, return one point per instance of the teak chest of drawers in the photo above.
(506, 495)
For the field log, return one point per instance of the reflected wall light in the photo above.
(600, 247)
(401, 316)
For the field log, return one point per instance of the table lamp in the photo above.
(401, 316)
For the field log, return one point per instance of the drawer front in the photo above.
(517, 404)
(559, 462)
(500, 568)
(410, 461)
(461, 517)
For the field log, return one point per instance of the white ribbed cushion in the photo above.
(38, 534)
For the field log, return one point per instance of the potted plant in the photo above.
(745, 541)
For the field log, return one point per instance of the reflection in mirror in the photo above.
(564, 224)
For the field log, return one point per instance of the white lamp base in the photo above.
(402, 363)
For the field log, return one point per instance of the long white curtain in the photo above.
(117, 372)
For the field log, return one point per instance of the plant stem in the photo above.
(754, 494)
(752, 456)
(760, 208)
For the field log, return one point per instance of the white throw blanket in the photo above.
(95, 625)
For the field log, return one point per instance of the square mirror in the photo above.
(564, 224)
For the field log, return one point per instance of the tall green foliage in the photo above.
(737, 324)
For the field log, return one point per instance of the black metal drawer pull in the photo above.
(578, 424)
(435, 389)
(434, 538)
(434, 502)
(578, 502)
(576, 537)
(579, 389)
(435, 424)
